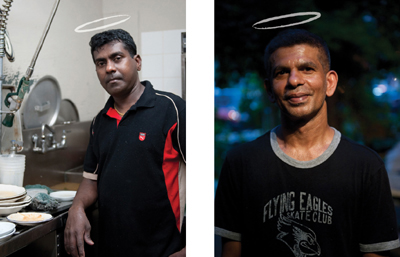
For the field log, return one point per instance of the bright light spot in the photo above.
(377, 91)
(383, 88)
(395, 79)
(234, 115)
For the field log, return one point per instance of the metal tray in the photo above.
(42, 104)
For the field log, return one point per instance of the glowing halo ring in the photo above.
(79, 28)
(317, 15)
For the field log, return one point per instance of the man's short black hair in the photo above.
(292, 37)
(108, 36)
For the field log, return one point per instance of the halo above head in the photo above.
(316, 16)
(80, 30)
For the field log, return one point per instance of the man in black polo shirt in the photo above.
(134, 162)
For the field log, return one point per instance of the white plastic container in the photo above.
(12, 169)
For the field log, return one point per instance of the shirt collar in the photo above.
(146, 100)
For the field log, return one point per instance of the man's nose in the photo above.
(110, 67)
(295, 78)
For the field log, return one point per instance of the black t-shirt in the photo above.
(338, 204)
(136, 161)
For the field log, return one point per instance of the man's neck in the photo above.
(123, 104)
(305, 141)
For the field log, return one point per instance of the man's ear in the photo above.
(331, 82)
(267, 86)
(138, 61)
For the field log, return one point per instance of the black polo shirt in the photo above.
(136, 161)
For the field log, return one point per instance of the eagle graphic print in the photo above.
(292, 210)
(300, 239)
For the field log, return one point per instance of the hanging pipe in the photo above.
(3, 23)
(29, 71)
(14, 100)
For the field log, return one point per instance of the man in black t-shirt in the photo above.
(303, 189)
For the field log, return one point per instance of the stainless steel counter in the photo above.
(47, 239)
(60, 170)
(43, 239)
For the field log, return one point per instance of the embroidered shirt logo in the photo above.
(142, 136)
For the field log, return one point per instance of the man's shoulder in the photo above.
(99, 114)
(169, 96)
(355, 150)
(162, 95)
(251, 148)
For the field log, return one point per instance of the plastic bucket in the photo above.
(12, 169)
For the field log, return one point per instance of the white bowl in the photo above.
(7, 236)
(6, 228)
(63, 196)
(12, 209)
(10, 191)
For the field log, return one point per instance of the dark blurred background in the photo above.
(364, 40)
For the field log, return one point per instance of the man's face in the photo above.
(298, 82)
(116, 69)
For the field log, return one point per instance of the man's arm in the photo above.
(232, 248)
(77, 229)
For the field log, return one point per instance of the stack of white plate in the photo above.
(7, 229)
(12, 199)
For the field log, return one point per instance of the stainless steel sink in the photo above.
(61, 165)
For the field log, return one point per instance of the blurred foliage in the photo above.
(364, 39)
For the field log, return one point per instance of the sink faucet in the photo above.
(47, 141)
(16, 146)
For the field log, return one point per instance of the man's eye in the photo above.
(281, 72)
(99, 64)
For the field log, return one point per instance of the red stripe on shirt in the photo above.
(171, 173)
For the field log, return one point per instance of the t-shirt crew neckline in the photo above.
(304, 164)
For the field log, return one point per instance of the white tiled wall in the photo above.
(161, 59)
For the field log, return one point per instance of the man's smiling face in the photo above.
(298, 82)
